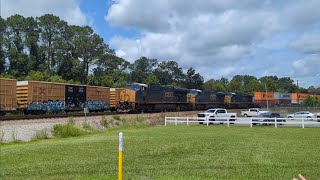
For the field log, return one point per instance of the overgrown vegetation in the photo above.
(67, 130)
(40, 135)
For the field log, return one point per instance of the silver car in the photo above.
(302, 114)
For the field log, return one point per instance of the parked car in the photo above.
(252, 112)
(217, 114)
(261, 117)
(302, 114)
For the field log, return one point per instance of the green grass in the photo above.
(182, 152)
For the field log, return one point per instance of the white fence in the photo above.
(245, 121)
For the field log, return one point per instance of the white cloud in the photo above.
(307, 67)
(224, 33)
(68, 10)
(308, 43)
(143, 14)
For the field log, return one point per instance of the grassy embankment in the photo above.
(182, 152)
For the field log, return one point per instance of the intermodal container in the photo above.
(282, 96)
(264, 102)
(282, 102)
(299, 96)
(8, 101)
(263, 96)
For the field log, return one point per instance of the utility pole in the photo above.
(267, 96)
(298, 96)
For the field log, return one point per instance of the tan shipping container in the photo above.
(29, 91)
(98, 93)
(8, 88)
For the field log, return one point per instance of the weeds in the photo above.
(104, 122)
(42, 134)
(71, 121)
(2, 137)
(67, 130)
(116, 117)
(14, 136)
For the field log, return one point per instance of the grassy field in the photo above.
(182, 152)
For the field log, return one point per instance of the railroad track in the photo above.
(50, 116)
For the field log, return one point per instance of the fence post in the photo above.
(275, 122)
(176, 120)
(228, 122)
(302, 122)
(207, 119)
(251, 122)
(165, 121)
(187, 121)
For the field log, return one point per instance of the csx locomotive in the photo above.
(144, 98)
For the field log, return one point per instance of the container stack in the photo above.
(282, 99)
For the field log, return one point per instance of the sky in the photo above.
(217, 38)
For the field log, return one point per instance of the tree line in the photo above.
(47, 48)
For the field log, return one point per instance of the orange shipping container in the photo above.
(299, 96)
(8, 88)
(258, 96)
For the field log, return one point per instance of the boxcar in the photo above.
(37, 91)
(8, 100)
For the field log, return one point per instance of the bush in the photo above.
(67, 130)
(9, 114)
(71, 121)
(88, 127)
(43, 134)
(104, 122)
(116, 117)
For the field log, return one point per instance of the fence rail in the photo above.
(245, 121)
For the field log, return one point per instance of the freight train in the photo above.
(42, 97)
(280, 99)
(144, 98)
(36, 97)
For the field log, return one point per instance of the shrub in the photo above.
(67, 130)
(9, 114)
(116, 117)
(43, 134)
(104, 122)
(88, 127)
(71, 121)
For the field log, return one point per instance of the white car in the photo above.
(302, 114)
